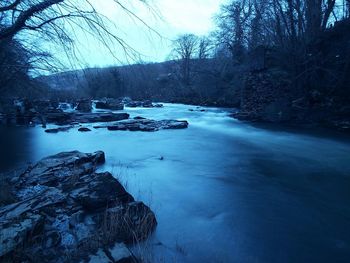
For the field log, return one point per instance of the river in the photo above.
(222, 190)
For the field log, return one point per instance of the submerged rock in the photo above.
(65, 211)
(84, 129)
(144, 104)
(146, 125)
(69, 119)
(59, 129)
(99, 117)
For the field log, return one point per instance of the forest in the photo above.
(265, 57)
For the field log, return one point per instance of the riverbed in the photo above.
(222, 190)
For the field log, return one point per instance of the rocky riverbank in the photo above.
(66, 117)
(62, 210)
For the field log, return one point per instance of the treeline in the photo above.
(287, 34)
(209, 83)
(276, 59)
(288, 50)
(296, 57)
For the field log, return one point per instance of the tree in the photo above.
(14, 63)
(184, 50)
(56, 21)
(103, 83)
(204, 48)
(43, 16)
(232, 27)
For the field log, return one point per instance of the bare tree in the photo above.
(232, 27)
(204, 48)
(59, 20)
(185, 49)
(32, 23)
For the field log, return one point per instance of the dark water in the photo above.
(226, 191)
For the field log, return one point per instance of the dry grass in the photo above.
(6, 195)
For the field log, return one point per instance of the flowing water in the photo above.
(222, 190)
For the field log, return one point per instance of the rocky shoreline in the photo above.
(27, 113)
(33, 112)
(62, 210)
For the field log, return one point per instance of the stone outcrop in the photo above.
(65, 211)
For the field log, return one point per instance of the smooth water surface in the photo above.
(224, 191)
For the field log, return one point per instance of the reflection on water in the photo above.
(15, 148)
(225, 191)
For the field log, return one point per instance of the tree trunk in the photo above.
(313, 18)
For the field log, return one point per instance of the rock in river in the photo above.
(65, 211)
(84, 105)
(59, 129)
(109, 104)
(144, 104)
(84, 129)
(146, 125)
(99, 117)
(70, 118)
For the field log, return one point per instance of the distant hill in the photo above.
(156, 81)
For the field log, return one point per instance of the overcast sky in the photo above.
(168, 17)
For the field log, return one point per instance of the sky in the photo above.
(168, 19)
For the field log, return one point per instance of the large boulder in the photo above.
(134, 104)
(99, 191)
(57, 116)
(110, 104)
(84, 105)
(147, 104)
(59, 129)
(65, 210)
